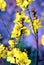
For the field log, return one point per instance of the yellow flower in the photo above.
(17, 57)
(1, 1)
(4, 54)
(15, 34)
(16, 31)
(12, 43)
(35, 25)
(27, 61)
(14, 56)
(19, 1)
(2, 5)
(2, 47)
(20, 16)
(10, 57)
(3, 51)
(27, 19)
(11, 60)
(19, 25)
(42, 41)
(23, 3)
(26, 31)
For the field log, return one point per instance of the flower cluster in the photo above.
(19, 27)
(2, 5)
(36, 25)
(20, 16)
(14, 55)
(23, 3)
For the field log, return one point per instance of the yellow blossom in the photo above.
(20, 16)
(15, 56)
(2, 5)
(36, 24)
(4, 54)
(11, 60)
(42, 41)
(26, 31)
(16, 32)
(10, 57)
(12, 43)
(19, 27)
(3, 51)
(1, 47)
(23, 3)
